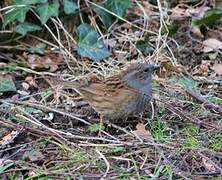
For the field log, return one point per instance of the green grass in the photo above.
(158, 130)
(215, 142)
(215, 100)
(191, 140)
(161, 170)
(94, 128)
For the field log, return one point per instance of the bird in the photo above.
(121, 95)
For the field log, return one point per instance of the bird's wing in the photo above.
(107, 96)
(96, 95)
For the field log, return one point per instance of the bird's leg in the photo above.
(100, 125)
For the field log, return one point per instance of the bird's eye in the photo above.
(146, 70)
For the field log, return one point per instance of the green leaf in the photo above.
(46, 11)
(95, 128)
(69, 6)
(23, 28)
(54, 8)
(105, 17)
(17, 13)
(118, 7)
(209, 18)
(38, 49)
(43, 12)
(89, 44)
(5, 167)
(171, 28)
(144, 45)
(186, 82)
(6, 84)
(28, 2)
(153, 2)
(119, 149)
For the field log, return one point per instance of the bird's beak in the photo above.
(154, 67)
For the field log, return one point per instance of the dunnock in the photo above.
(119, 96)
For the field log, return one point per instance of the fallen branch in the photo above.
(186, 115)
(201, 99)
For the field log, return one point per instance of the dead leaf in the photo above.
(183, 12)
(208, 165)
(32, 173)
(49, 61)
(147, 7)
(202, 69)
(23, 93)
(142, 132)
(211, 44)
(25, 85)
(217, 68)
(213, 56)
(33, 155)
(167, 68)
(218, 4)
(214, 33)
(31, 81)
(8, 138)
(2, 65)
(196, 32)
(179, 13)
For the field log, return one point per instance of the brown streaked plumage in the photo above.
(119, 96)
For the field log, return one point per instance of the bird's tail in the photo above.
(54, 82)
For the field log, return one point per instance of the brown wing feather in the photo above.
(96, 95)
(106, 97)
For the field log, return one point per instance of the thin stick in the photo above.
(185, 115)
(106, 162)
(201, 99)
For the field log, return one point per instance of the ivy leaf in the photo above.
(118, 7)
(105, 17)
(171, 28)
(144, 46)
(28, 2)
(6, 83)
(38, 49)
(89, 44)
(47, 11)
(23, 28)
(54, 8)
(43, 12)
(69, 6)
(17, 13)
(186, 82)
(209, 18)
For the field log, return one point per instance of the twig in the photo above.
(51, 132)
(186, 115)
(208, 81)
(211, 162)
(56, 111)
(201, 99)
(46, 108)
(106, 162)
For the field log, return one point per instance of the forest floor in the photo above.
(50, 133)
